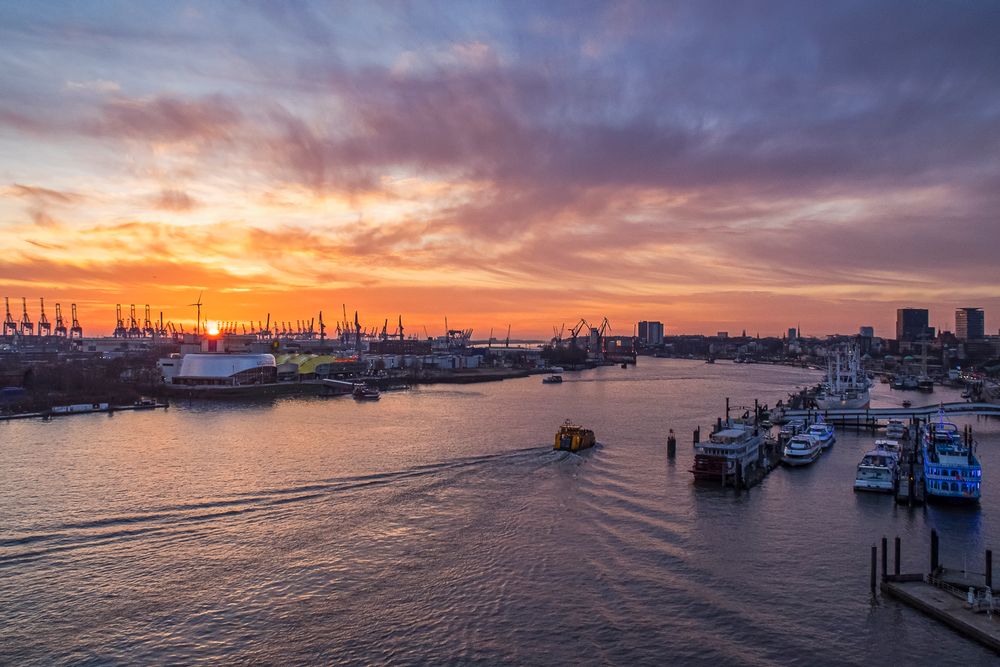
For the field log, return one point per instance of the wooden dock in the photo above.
(947, 607)
(961, 600)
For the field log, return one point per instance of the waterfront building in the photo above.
(651, 333)
(970, 323)
(912, 324)
(226, 369)
(867, 332)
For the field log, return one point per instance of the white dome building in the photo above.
(226, 369)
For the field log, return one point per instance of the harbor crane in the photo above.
(120, 331)
(601, 331)
(506, 342)
(147, 324)
(400, 327)
(133, 327)
(197, 304)
(575, 331)
(75, 330)
(44, 326)
(27, 326)
(9, 325)
(385, 329)
(60, 322)
(322, 327)
(557, 334)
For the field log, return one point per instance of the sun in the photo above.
(213, 329)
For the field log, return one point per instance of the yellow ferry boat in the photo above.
(572, 438)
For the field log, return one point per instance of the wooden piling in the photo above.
(671, 445)
(934, 551)
(895, 567)
(885, 557)
(874, 567)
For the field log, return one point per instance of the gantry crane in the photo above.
(120, 330)
(27, 326)
(75, 330)
(147, 324)
(44, 326)
(9, 325)
(60, 322)
(133, 328)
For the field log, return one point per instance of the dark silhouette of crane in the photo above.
(133, 328)
(147, 324)
(575, 331)
(27, 326)
(120, 330)
(322, 327)
(9, 325)
(75, 330)
(44, 326)
(60, 330)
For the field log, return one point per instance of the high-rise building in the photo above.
(792, 333)
(911, 324)
(867, 332)
(970, 324)
(651, 333)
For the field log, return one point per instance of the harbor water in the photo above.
(438, 526)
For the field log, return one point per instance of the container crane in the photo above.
(147, 324)
(75, 330)
(9, 325)
(506, 342)
(27, 326)
(44, 326)
(400, 327)
(133, 327)
(120, 331)
(322, 327)
(60, 322)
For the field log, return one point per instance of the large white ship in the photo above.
(846, 385)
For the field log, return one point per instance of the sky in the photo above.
(712, 165)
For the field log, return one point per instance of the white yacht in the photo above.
(846, 384)
(801, 450)
(823, 433)
(879, 468)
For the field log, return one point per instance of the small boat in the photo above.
(793, 427)
(823, 433)
(895, 429)
(879, 468)
(925, 384)
(572, 438)
(801, 450)
(363, 392)
(624, 364)
(907, 404)
(79, 408)
(552, 379)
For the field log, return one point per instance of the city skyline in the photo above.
(708, 166)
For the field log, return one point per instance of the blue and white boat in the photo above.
(823, 433)
(951, 468)
(801, 450)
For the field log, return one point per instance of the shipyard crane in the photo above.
(557, 334)
(357, 330)
(400, 327)
(120, 331)
(9, 325)
(245, 329)
(147, 324)
(44, 326)
(133, 327)
(506, 342)
(385, 329)
(60, 322)
(75, 330)
(197, 304)
(27, 326)
(489, 343)
(171, 328)
(322, 327)
(312, 329)
(182, 328)
(266, 331)
(575, 331)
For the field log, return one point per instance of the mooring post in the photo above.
(934, 551)
(727, 410)
(671, 445)
(874, 566)
(697, 435)
(989, 568)
(885, 557)
(895, 567)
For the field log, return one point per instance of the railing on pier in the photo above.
(865, 415)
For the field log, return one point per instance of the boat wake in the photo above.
(184, 518)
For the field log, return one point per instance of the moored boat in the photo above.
(895, 429)
(823, 433)
(879, 469)
(951, 468)
(363, 392)
(729, 454)
(552, 379)
(801, 450)
(846, 385)
(572, 438)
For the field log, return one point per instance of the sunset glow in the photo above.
(527, 164)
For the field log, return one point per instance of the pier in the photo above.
(870, 417)
(960, 599)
